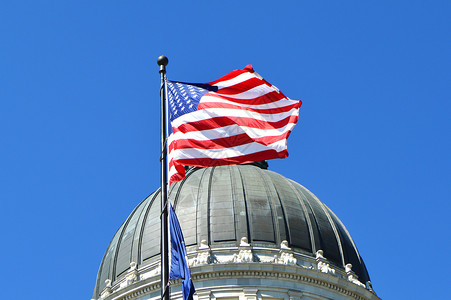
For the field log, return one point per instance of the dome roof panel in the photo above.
(150, 234)
(221, 209)
(107, 265)
(126, 240)
(328, 239)
(261, 219)
(350, 253)
(298, 222)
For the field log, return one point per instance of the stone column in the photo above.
(294, 295)
(203, 295)
(250, 294)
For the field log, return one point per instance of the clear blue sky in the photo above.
(79, 121)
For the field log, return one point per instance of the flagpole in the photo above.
(164, 248)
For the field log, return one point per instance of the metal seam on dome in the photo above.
(307, 216)
(143, 225)
(118, 245)
(360, 259)
(275, 224)
(249, 234)
(199, 232)
(347, 233)
(113, 244)
(330, 221)
(138, 246)
(334, 228)
(236, 186)
(99, 273)
(208, 205)
(134, 230)
(234, 200)
(285, 217)
(313, 216)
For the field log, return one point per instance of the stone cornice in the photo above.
(248, 270)
(244, 261)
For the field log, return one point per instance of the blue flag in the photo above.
(178, 261)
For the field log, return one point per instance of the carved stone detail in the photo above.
(132, 275)
(284, 245)
(323, 264)
(286, 256)
(107, 290)
(244, 242)
(352, 277)
(204, 255)
(369, 286)
(244, 255)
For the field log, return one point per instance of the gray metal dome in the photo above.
(220, 205)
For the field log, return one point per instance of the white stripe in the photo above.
(231, 130)
(251, 148)
(214, 98)
(238, 79)
(209, 113)
(172, 171)
(193, 153)
(252, 93)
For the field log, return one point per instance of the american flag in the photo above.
(237, 119)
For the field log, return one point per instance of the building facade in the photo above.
(250, 234)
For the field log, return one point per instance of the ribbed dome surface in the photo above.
(223, 204)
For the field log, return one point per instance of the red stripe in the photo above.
(229, 76)
(180, 172)
(233, 74)
(218, 122)
(263, 99)
(212, 105)
(225, 142)
(243, 159)
(207, 162)
(242, 86)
